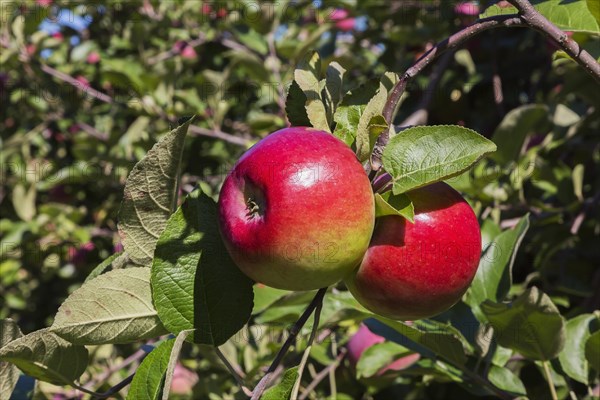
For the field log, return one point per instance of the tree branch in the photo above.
(75, 83)
(295, 329)
(323, 374)
(528, 16)
(218, 134)
(451, 42)
(306, 354)
(540, 23)
(235, 371)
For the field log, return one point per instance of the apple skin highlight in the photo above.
(297, 210)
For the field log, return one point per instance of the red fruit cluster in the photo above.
(297, 212)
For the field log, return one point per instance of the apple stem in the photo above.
(315, 303)
(253, 208)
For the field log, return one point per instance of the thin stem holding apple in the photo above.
(315, 303)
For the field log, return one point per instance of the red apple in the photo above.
(297, 210)
(364, 338)
(413, 271)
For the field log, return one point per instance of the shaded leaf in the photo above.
(423, 155)
(530, 325)
(505, 379)
(394, 204)
(150, 196)
(518, 123)
(429, 344)
(46, 356)
(592, 351)
(195, 283)
(9, 373)
(115, 307)
(572, 357)
(294, 106)
(334, 80)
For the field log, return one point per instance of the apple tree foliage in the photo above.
(110, 251)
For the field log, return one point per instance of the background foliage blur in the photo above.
(88, 87)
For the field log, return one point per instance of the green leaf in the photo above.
(571, 15)
(592, 351)
(494, 275)
(371, 122)
(394, 204)
(264, 296)
(572, 357)
(511, 133)
(150, 375)
(423, 155)
(306, 75)
(23, 200)
(46, 356)
(444, 345)
(9, 331)
(347, 118)
(348, 113)
(287, 309)
(151, 196)
(378, 356)
(294, 106)
(315, 109)
(195, 283)
(341, 306)
(578, 181)
(115, 307)
(505, 379)
(594, 7)
(116, 261)
(530, 325)
(283, 390)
